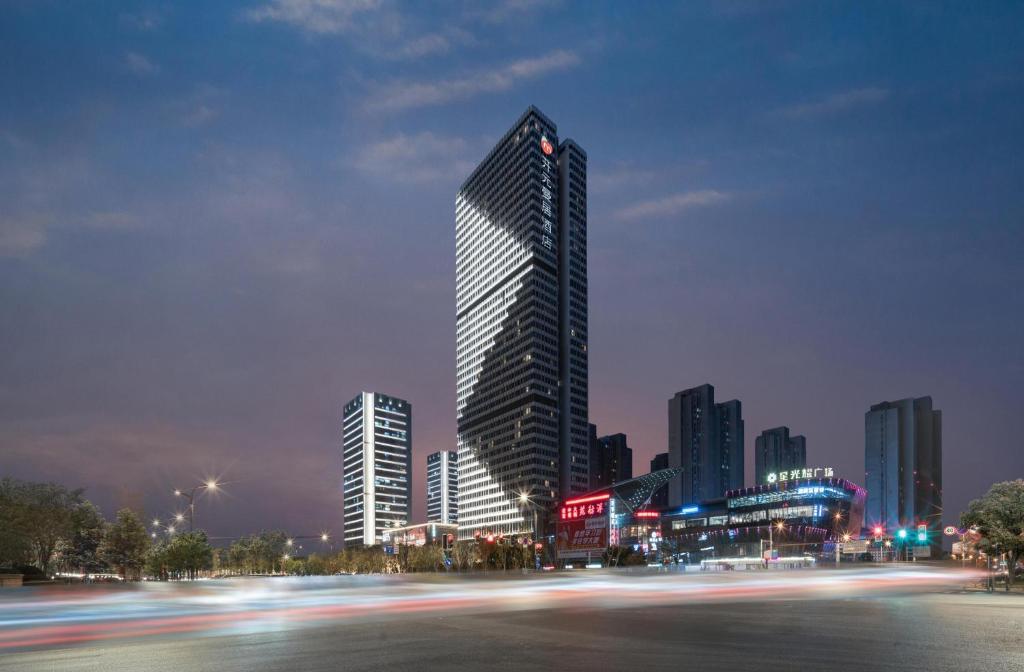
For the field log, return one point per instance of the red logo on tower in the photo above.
(546, 146)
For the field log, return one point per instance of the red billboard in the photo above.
(582, 527)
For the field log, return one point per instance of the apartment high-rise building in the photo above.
(775, 450)
(376, 467)
(443, 487)
(730, 445)
(521, 329)
(903, 465)
(705, 440)
(660, 496)
(611, 459)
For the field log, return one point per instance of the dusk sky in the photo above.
(220, 221)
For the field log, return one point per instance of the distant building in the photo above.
(903, 465)
(611, 459)
(705, 440)
(377, 467)
(775, 450)
(730, 444)
(443, 487)
(660, 497)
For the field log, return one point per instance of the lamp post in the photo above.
(780, 526)
(524, 500)
(191, 497)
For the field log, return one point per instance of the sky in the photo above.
(221, 221)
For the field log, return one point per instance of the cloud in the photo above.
(142, 21)
(673, 204)
(408, 95)
(140, 65)
(324, 17)
(424, 157)
(500, 12)
(837, 103)
(21, 238)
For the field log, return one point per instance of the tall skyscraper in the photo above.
(775, 450)
(705, 440)
(521, 329)
(376, 467)
(611, 459)
(443, 487)
(903, 465)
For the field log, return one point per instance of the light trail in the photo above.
(59, 617)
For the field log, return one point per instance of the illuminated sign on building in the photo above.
(583, 526)
(546, 194)
(581, 510)
(792, 475)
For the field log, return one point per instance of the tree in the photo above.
(999, 519)
(34, 519)
(156, 561)
(125, 544)
(80, 552)
(189, 553)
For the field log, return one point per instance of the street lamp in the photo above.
(210, 484)
(524, 500)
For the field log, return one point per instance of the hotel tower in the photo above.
(521, 330)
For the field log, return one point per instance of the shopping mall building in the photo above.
(800, 517)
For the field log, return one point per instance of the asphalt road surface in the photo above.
(865, 619)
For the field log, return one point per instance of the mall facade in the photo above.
(800, 517)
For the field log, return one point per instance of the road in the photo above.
(864, 619)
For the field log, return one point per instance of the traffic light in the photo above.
(922, 533)
(878, 532)
(902, 534)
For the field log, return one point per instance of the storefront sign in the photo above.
(794, 474)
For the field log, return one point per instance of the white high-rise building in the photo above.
(443, 487)
(521, 329)
(377, 468)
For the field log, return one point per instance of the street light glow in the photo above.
(211, 484)
(290, 542)
(323, 536)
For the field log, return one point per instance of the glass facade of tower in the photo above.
(377, 453)
(442, 487)
(521, 329)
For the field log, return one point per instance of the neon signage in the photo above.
(793, 474)
(546, 195)
(577, 511)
